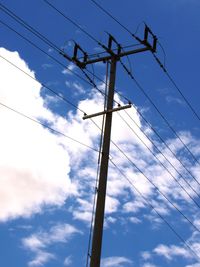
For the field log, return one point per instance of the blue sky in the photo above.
(47, 180)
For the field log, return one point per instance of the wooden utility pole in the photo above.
(112, 58)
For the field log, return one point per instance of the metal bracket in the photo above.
(79, 63)
(106, 112)
(110, 42)
(146, 42)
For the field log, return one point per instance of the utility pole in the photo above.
(112, 58)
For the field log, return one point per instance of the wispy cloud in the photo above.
(68, 261)
(175, 100)
(69, 69)
(116, 262)
(149, 265)
(38, 243)
(46, 66)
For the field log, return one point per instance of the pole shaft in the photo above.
(100, 206)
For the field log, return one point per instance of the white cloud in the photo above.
(116, 262)
(46, 66)
(135, 220)
(39, 242)
(169, 252)
(68, 261)
(41, 258)
(69, 70)
(79, 88)
(76, 88)
(32, 157)
(34, 166)
(146, 255)
(149, 265)
(174, 100)
(193, 265)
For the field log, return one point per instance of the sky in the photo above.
(49, 155)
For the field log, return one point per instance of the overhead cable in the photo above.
(46, 126)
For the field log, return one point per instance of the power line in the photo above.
(92, 38)
(175, 177)
(91, 83)
(44, 52)
(48, 127)
(52, 45)
(155, 210)
(176, 86)
(130, 74)
(166, 168)
(116, 20)
(158, 190)
(72, 21)
(44, 39)
(156, 108)
(88, 147)
(163, 141)
(43, 85)
(158, 61)
(28, 27)
(72, 139)
(161, 163)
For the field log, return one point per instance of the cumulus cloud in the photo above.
(34, 166)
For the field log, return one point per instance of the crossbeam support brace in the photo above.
(106, 111)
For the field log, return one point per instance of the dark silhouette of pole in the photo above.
(100, 206)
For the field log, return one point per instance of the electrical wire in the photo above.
(158, 190)
(83, 144)
(159, 149)
(177, 87)
(88, 34)
(44, 85)
(58, 132)
(159, 112)
(70, 20)
(163, 141)
(197, 228)
(91, 82)
(94, 39)
(47, 41)
(155, 210)
(48, 127)
(172, 204)
(161, 163)
(28, 27)
(116, 20)
(160, 64)
(44, 52)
